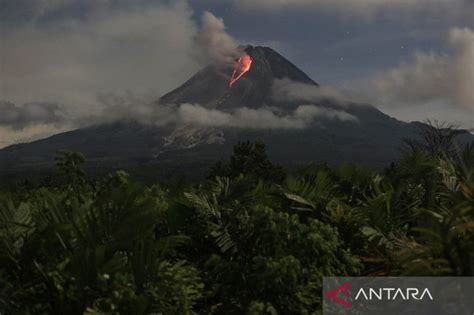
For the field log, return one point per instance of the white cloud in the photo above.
(27, 134)
(129, 107)
(143, 49)
(14, 11)
(432, 77)
(18, 117)
(262, 118)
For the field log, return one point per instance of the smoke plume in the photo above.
(215, 45)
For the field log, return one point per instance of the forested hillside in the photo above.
(250, 239)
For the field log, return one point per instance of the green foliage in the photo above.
(264, 253)
(445, 240)
(93, 250)
(69, 163)
(249, 240)
(249, 158)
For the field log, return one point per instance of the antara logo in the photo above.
(345, 289)
(393, 294)
(380, 294)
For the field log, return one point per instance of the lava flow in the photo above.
(242, 65)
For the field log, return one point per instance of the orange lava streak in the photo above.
(242, 65)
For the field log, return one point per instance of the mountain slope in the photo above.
(372, 139)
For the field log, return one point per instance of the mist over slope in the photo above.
(201, 120)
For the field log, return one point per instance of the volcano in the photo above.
(372, 138)
(210, 86)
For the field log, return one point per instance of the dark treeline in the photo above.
(249, 239)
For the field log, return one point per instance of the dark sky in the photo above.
(413, 59)
(336, 47)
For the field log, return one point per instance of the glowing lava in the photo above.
(242, 65)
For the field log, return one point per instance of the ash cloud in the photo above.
(148, 48)
(215, 45)
(69, 51)
(84, 62)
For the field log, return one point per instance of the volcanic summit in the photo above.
(210, 86)
(370, 137)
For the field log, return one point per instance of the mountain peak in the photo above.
(279, 65)
(373, 140)
(210, 86)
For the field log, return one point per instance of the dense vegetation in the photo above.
(249, 240)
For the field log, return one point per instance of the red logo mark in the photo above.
(345, 289)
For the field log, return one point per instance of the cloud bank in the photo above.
(288, 90)
(85, 62)
(129, 107)
(112, 48)
(366, 8)
(69, 51)
(72, 52)
(432, 77)
(14, 11)
(263, 118)
(18, 117)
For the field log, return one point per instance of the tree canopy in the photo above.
(248, 240)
